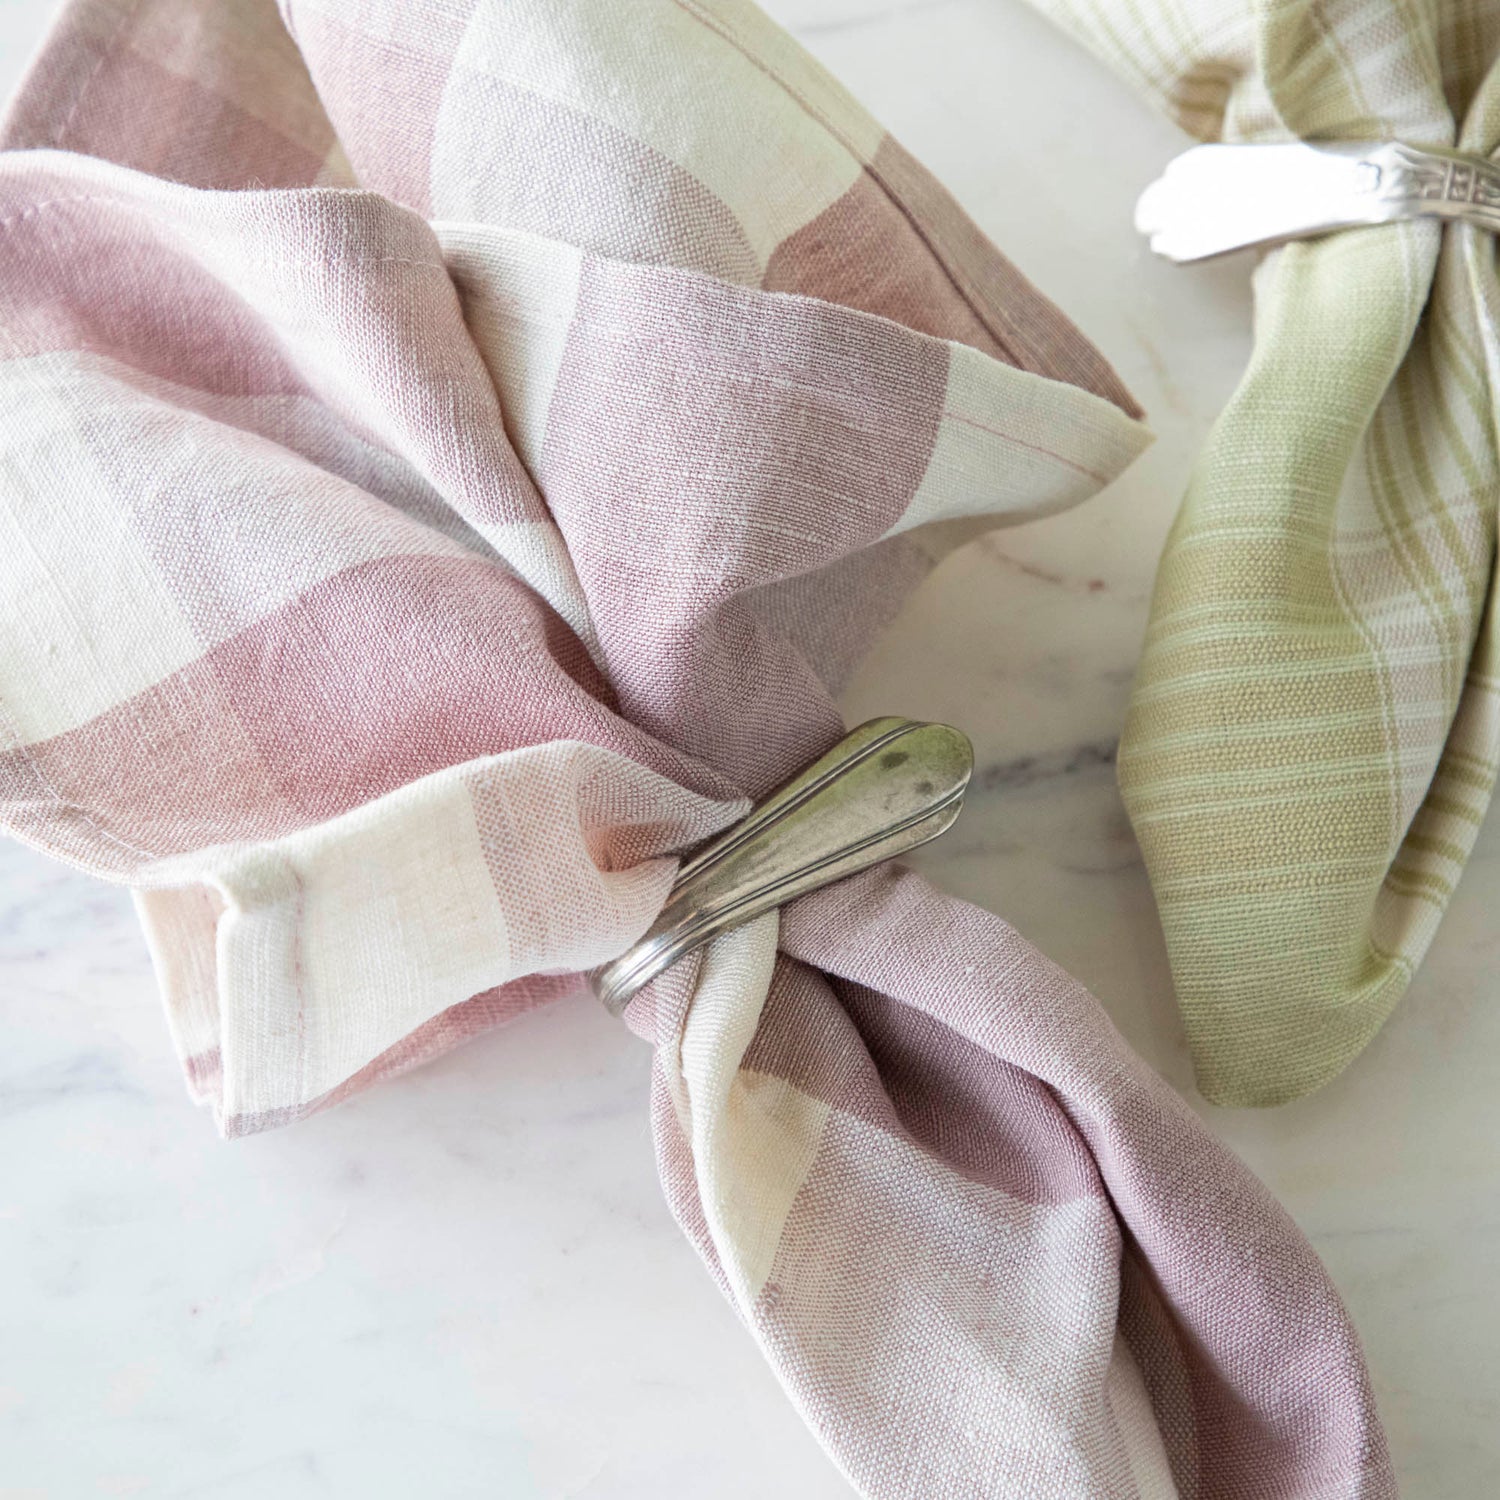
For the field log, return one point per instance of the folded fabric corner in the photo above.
(297, 970)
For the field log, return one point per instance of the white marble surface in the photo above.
(465, 1283)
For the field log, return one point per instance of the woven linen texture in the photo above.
(452, 454)
(1315, 729)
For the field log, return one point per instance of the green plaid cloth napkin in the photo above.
(1312, 741)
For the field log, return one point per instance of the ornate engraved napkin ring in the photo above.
(887, 787)
(1214, 199)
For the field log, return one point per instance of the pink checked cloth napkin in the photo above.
(451, 456)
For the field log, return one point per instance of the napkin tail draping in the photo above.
(450, 464)
(1315, 729)
(985, 1248)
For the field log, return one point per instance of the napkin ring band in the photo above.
(1217, 198)
(886, 788)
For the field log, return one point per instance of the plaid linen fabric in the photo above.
(450, 457)
(1315, 730)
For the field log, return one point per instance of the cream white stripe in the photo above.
(86, 616)
(1016, 445)
(716, 114)
(755, 1137)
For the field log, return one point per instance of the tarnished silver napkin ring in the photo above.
(887, 787)
(1217, 198)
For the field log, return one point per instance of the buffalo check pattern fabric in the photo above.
(451, 455)
(1315, 730)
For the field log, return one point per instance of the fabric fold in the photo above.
(419, 532)
(292, 966)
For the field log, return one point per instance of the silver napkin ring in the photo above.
(887, 787)
(1214, 199)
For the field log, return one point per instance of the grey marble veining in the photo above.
(465, 1282)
